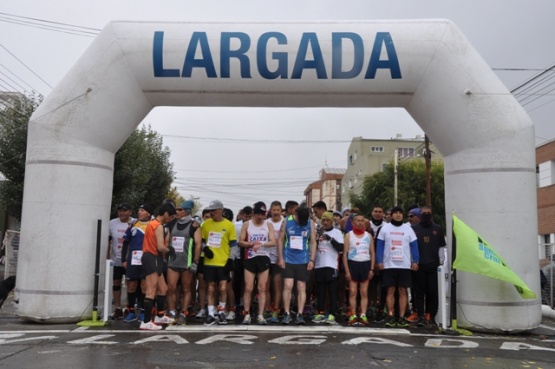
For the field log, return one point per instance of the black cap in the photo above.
(124, 206)
(396, 209)
(147, 207)
(259, 208)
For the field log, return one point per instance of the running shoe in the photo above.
(117, 314)
(247, 319)
(261, 320)
(319, 318)
(413, 318)
(402, 323)
(201, 314)
(286, 318)
(379, 317)
(210, 320)
(149, 326)
(191, 312)
(141, 316)
(230, 316)
(274, 319)
(353, 320)
(391, 322)
(363, 320)
(163, 320)
(182, 319)
(130, 318)
(421, 321)
(330, 319)
(300, 320)
(221, 318)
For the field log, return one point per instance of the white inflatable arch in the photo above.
(425, 66)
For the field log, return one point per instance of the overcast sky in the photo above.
(515, 37)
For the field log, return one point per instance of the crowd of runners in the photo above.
(275, 265)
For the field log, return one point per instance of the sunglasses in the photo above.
(178, 209)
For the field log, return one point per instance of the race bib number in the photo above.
(177, 243)
(362, 248)
(397, 250)
(136, 257)
(296, 243)
(214, 239)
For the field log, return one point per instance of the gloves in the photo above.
(326, 237)
(193, 267)
(207, 252)
(171, 253)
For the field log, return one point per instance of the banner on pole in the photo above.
(475, 255)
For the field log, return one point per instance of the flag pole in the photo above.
(453, 305)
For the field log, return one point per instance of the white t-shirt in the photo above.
(397, 245)
(326, 255)
(117, 231)
(235, 252)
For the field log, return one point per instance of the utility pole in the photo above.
(395, 166)
(428, 159)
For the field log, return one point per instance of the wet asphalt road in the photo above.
(122, 345)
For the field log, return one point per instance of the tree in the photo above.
(143, 172)
(14, 120)
(411, 189)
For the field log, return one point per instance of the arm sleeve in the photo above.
(414, 251)
(336, 245)
(124, 251)
(379, 251)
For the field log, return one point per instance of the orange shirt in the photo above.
(149, 242)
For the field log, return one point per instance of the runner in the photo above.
(273, 300)
(358, 260)
(219, 236)
(326, 269)
(296, 253)
(256, 234)
(396, 255)
(152, 261)
(186, 240)
(131, 255)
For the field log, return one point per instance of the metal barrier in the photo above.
(11, 245)
(547, 265)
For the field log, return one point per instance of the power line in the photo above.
(255, 171)
(257, 141)
(25, 65)
(49, 25)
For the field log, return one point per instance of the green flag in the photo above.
(474, 255)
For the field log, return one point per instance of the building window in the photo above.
(546, 175)
(377, 148)
(406, 152)
(351, 160)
